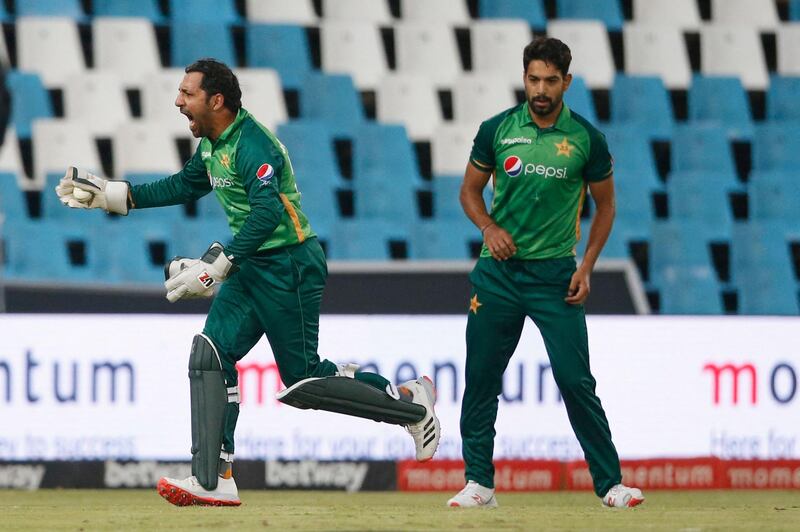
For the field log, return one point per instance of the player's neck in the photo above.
(222, 123)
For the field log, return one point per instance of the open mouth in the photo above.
(189, 115)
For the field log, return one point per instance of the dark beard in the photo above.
(542, 112)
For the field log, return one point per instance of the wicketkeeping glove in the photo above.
(199, 276)
(81, 190)
(179, 264)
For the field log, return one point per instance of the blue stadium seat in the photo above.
(220, 11)
(129, 8)
(702, 196)
(446, 190)
(443, 239)
(383, 148)
(318, 200)
(365, 240)
(630, 148)
(530, 10)
(607, 11)
(776, 146)
(692, 290)
(762, 269)
(13, 204)
(208, 207)
(782, 100)
(29, 101)
(287, 51)
(5, 16)
(130, 246)
(192, 237)
(701, 147)
(311, 150)
(642, 101)
(579, 99)
(794, 9)
(721, 101)
(50, 8)
(775, 196)
(380, 195)
(680, 244)
(334, 100)
(192, 40)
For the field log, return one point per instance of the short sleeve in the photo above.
(599, 166)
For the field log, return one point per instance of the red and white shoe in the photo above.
(621, 496)
(474, 496)
(426, 433)
(188, 492)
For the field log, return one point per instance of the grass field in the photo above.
(306, 510)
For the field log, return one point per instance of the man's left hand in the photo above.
(199, 277)
(578, 287)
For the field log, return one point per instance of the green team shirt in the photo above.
(249, 170)
(540, 177)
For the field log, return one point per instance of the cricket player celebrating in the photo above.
(272, 275)
(542, 156)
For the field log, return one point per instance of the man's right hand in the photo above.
(111, 196)
(499, 242)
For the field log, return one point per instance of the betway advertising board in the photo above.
(116, 387)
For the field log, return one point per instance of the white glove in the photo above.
(81, 190)
(176, 266)
(199, 277)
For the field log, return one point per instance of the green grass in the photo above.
(307, 510)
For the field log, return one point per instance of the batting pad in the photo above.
(344, 395)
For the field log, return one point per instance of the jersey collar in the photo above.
(240, 116)
(562, 122)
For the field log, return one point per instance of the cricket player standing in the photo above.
(274, 273)
(542, 156)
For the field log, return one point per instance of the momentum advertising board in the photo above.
(76, 387)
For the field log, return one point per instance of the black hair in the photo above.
(218, 79)
(549, 50)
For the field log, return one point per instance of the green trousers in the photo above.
(277, 293)
(503, 294)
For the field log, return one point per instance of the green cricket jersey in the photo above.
(249, 170)
(540, 177)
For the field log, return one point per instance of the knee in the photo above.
(292, 375)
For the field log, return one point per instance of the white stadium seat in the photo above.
(652, 50)
(158, 101)
(51, 47)
(127, 47)
(428, 49)
(477, 97)
(591, 50)
(410, 100)
(788, 45)
(759, 14)
(58, 144)
(449, 11)
(10, 157)
(375, 11)
(262, 95)
(734, 51)
(281, 11)
(681, 14)
(497, 47)
(450, 147)
(354, 48)
(144, 147)
(98, 100)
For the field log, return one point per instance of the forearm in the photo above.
(173, 190)
(598, 235)
(264, 218)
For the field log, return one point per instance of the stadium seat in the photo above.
(203, 11)
(701, 147)
(759, 14)
(680, 244)
(776, 146)
(209, 208)
(446, 205)
(281, 12)
(642, 101)
(410, 100)
(128, 244)
(689, 290)
(127, 47)
(385, 196)
(144, 147)
(774, 196)
(288, 52)
(148, 9)
(159, 93)
(782, 101)
(476, 97)
(579, 98)
(591, 50)
(657, 50)
(58, 144)
(450, 148)
(262, 95)
(310, 146)
(788, 42)
(50, 8)
(794, 9)
(51, 47)
(358, 10)
(531, 11)
(428, 49)
(384, 149)
(97, 100)
(11, 156)
(630, 148)
(365, 240)
(607, 11)
(192, 40)
(29, 101)
(702, 196)
(734, 51)
(13, 204)
(721, 101)
(318, 200)
(5, 16)
(192, 237)
(677, 14)
(443, 240)
(497, 47)
(445, 11)
(333, 99)
(354, 48)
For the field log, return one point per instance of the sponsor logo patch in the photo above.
(205, 279)
(512, 165)
(265, 173)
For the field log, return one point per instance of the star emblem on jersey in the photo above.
(226, 160)
(265, 173)
(564, 148)
(474, 304)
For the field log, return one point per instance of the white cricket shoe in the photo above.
(474, 496)
(621, 496)
(426, 433)
(188, 491)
